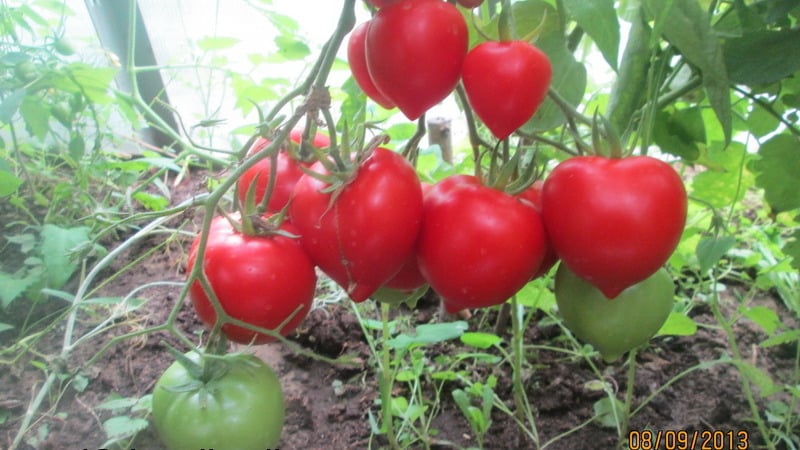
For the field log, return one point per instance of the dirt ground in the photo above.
(328, 405)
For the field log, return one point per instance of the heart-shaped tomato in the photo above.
(505, 83)
(614, 326)
(478, 246)
(287, 172)
(365, 233)
(358, 65)
(614, 222)
(414, 50)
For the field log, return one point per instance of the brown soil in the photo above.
(329, 405)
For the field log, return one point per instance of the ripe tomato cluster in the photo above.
(413, 53)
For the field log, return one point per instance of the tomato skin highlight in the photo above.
(414, 52)
(365, 236)
(242, 409)
(357, 58)
(616, 326)
(614, 222)
(478, 246)
(259, 280)
(505, 83)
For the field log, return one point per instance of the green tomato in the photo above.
(616, 326)
(240, 407)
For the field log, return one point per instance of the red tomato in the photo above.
(364, 235)
(259, 280)
(358, 65)
(382, 3)
(505, 83)
(320, 140)
(414, 50)
(409, 278)
(470, 3)
(614, 222)
(534, 195)
(287, 172)
(478, 246)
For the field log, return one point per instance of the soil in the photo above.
(329, 405)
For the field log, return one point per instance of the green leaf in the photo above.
(764, 317)
(763, 57)
(761, 122)
(77, 147)
(608, 411)
(792, 248)
(291, 48)
(679, 132)
(8, 183)
(678, 324)
(687, 26)
(14, 286)
(711, 249)
(209, 43)
(5, 327)
(57, 243)
(481, 340)
(429, 334)
(124, 426)
(599, 19)
(729, 182)
(11, 104)
(36, 117)
(569, 81)
(758, 377)
(782, 338)
(778, 172)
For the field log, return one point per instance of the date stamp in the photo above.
(689, 440)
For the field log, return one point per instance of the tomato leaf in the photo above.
(763, 316)
(763, 57)
(608, 411)
(430, 334)
(5, 327)
(781, 338)
(11, 104)
(728, 183)
(778, 171)
(13, 287)
(8, 183)
(216, 42)
(599, 19)
(57, 245)
(678, 324)
(711, 249)
(480, 340)
(686, 25)
(569, 81)
(758, 377)
(792, 248)
(122, 426)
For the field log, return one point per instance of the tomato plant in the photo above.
(505, 83)
(478, 246)
(614, 221)
(414, 52)
(287, 173)
(363, 234)
(240, 405)
(262, 280)
(615, 326)
(357, 59)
